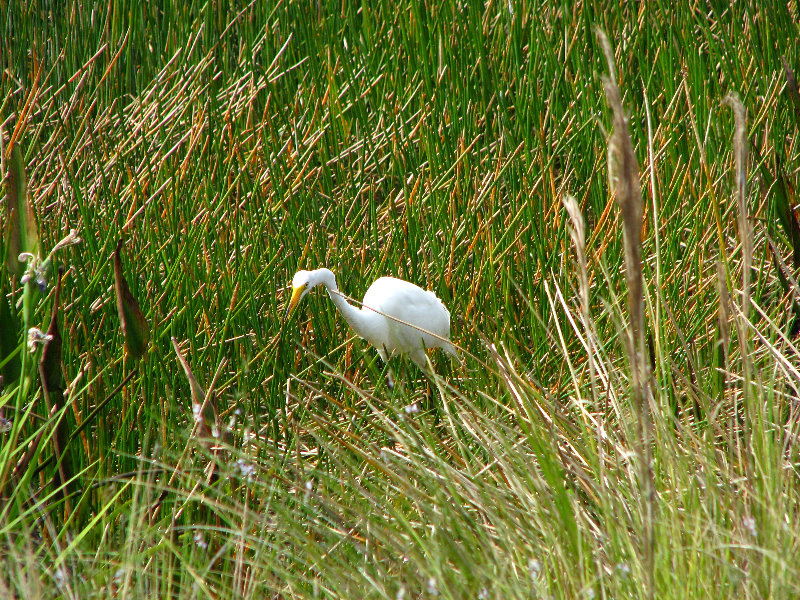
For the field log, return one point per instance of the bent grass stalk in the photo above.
(624, 180)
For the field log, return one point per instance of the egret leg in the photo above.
(421, 361)
(389, 376)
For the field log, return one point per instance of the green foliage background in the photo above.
(231, 144)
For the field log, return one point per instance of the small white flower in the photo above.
(432, 589)
(624, 570)
(36, 270)
(401, 593)
(749, 523)
(309, 485)
(534, 568)
(200, 540)
(412, 408)
(245, 468)
(60, 576)
(483, 594)
(37, 336)
(590, 593)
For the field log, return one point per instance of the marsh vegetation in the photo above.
(612, 226)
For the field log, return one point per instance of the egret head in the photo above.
(304, 281)
(301, 285)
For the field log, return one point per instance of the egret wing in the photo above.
(413, 315)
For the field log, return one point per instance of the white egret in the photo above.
(397, 317)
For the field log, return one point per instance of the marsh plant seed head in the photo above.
(70, 240)
(5, 425)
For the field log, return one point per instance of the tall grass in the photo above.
(613, 432)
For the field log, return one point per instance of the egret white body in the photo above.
(397, 317)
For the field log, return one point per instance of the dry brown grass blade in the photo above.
(624, 179)
(135, 329)
(740, 158)
(723, 316)
(204, 413)
(577, 232)
(204, 428)
(746, 238)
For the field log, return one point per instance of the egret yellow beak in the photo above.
(297, 292)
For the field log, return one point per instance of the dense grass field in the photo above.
(623, 420)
